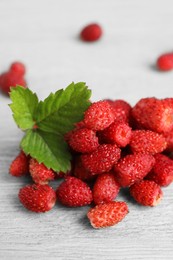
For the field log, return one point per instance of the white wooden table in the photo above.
(44, 35)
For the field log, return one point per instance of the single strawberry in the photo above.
(165, 62)
(18, 68)
(20, 165)
(147, 193)
(11, 79)
(91, 32)
(133, 168)
(40, 173)
(162, 172)
(102, 159)
(117, 133)
(154, 114)
(146, 141)
(99, 115)
(37, 198)
(83, 140)
(105, 188)
(73, 192)
(107, 214)
(122, 109)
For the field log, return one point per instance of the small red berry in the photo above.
(133, 168)
(99, 115)
(162, 172)
(105, 188)
(20, 165)
(83, 140)
(165, 62)
(18, 68)
(122, 109)
(40, 173)
(73, 192)
(147, 193)
(146, 141)
(102, 159)
(154, 114)
(11, 79)
(37, 198)
(91, 32)
(107, 214)
(117, 133)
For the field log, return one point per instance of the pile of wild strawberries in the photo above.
(115, 146)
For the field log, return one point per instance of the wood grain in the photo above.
(44, 34)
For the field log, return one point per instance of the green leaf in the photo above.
(59, 111)
(24, 105)
(47, 148)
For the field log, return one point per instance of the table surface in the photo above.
(44, 35)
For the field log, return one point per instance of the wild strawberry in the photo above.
(40, 173)
(91, 32)
(133, 168)
(18, 68)
(165, 62)
(117, 133)
(11, 79)
(102, 159)
(162, 172)
(99, 115)
(105, 188)
(83, 140)
(37, 198)
(122, 109)
(147, 193)
(107, 214)
(154, 114)
(146, 141)
(74, 192)
(80, 171)
(20, 165)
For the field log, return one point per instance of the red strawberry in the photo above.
(154, 114)
(40, 173)
(11, 79)
(99, 115)
(105, 188)
(74, 192)
(147, 193)
(37, 198)
(91, 32)
(117, 133)
(20, 165)
(133, 168)
(18, 68)
(107, 214)
(102, 159)
(162, 172)
(83, 140)
(146, 141)
(165, 62)
(121, 108)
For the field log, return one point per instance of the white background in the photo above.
(44, 35)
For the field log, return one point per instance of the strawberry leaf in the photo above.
(59, 111)
(47, 121)
(24, 105)
(47, 148)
